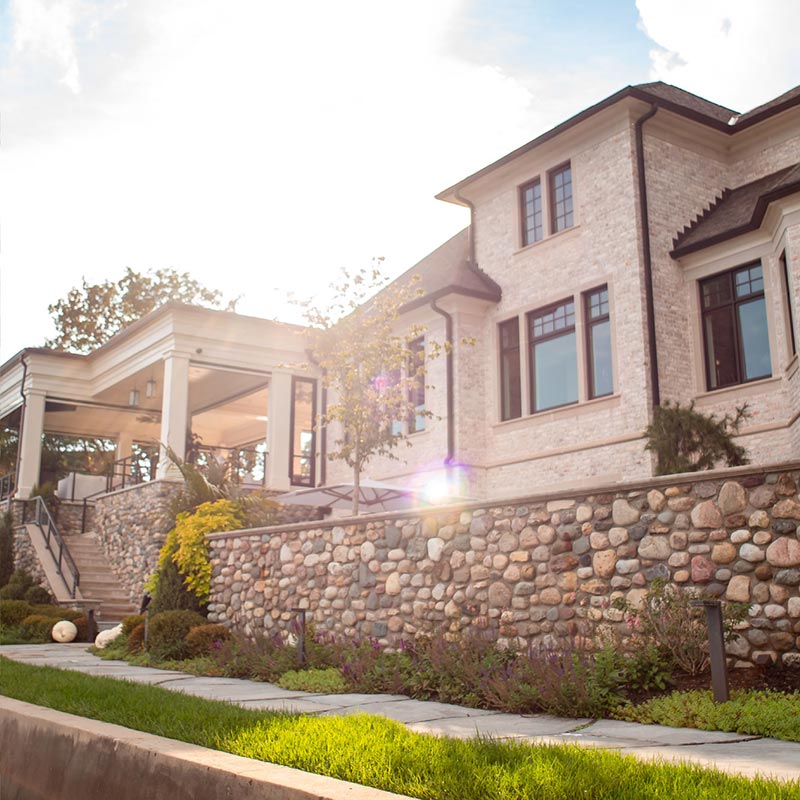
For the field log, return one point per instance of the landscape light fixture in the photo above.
(150, 389)
(133, 400)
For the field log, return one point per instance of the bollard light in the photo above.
(716, 648)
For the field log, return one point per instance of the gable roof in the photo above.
(736, 211)
(447, 270)
(664, 95)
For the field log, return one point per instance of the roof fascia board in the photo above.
(772, 133)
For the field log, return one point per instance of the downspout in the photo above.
(21, 418)
(646, 255)
(451, 427)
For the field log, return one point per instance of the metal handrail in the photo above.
(43, 519)
(7, 485)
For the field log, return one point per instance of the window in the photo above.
(510, 374)
(531, 208)
(304, 412)
(561, 198)
(416, 392)
(553, 356)
(789, 313)
(734, 317)
(598, 342)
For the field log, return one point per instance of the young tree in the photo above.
(92, 313)
(368, 363)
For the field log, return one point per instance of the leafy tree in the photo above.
(6, 547)
(92, 313)
(368, 362)
(684, 440)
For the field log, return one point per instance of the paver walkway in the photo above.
(730, 752)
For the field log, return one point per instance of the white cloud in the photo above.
(738, 53)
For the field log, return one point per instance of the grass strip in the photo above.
(377, 752)
(761, 713)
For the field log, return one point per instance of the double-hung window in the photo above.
(553, 356)
(734, 318)
(561, 198)
(598, 342)
(530, 196)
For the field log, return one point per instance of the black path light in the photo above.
(716, 648)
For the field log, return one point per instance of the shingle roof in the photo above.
(736, 211)
(447, 270)
(670, 98)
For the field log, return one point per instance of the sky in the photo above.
(262, 146)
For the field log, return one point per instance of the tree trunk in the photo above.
(356, 489)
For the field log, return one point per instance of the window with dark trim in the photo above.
(302, 460)
(553, 356)
(789, 311)
(530, 202)
(560, 180)
(734, 317)
(510, 372)
(416, 391)
(598, 342)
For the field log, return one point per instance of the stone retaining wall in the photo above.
(532, 568)
(132, 525)
(68, 516)
(25, 558)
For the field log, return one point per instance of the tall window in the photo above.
(789, 312)
(416, 392)
(531, 208)
(510, 374)
(735, 327)
(553, 356)
(304, 411)
(598, 342)
(561, 198)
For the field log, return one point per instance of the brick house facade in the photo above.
(647, 249)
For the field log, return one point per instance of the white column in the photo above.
(31, 445)
(279, 434)
(174, 413)
(124, 445)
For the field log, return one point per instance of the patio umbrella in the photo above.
(373, 496)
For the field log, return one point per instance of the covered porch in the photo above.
(211, 386)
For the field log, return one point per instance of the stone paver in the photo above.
(728, 752)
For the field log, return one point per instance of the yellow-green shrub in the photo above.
(186, 545)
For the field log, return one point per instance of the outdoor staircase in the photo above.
(98, 582)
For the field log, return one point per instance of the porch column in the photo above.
(279, 434)
(124, 445)
(30, 447)
(174, 413)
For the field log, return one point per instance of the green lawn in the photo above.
(378, 752)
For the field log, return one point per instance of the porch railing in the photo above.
(132, 470)
(245, 465)
(7, 485)
(65, 565)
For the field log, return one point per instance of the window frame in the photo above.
(523, 216)
(783, 261)
(502, 351)
(533, 341)
(416, 349)
(589, 323)
(733, 305)
(553, 203)
(311, 482)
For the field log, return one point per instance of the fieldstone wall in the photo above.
(25, 558)
(68, 516)
(132, 525)
(533, 568)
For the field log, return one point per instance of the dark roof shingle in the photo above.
(736, 211)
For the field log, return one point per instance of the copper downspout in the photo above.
(647, 256)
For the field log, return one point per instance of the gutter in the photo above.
(24, 363)
(647, 255)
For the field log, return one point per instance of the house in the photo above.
(646, 249)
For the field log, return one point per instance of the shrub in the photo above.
(6, 547)
(170, 592)
(131, 622)
(322, 681)
(203, 639)
(12, 612)
(667, 621)
(135, 640)
(38, 595)
(57, 612)
(37, 627)
(17, 585)
(82, 624)
(684, 440)
(167, 634)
